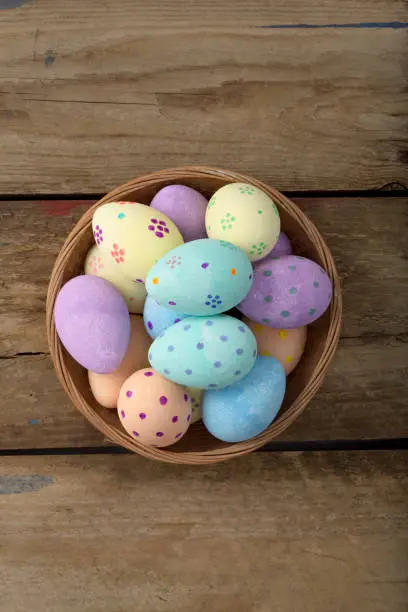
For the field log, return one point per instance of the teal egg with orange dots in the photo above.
(202, 278)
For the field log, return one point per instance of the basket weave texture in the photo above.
(198, 446)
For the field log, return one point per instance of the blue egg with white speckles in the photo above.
(205, 352)
(157, 318)
(201, 278)
(245, 409)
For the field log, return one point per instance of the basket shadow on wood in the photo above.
(198, 446)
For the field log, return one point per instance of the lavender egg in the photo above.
(185, 207)
(287, 292)
(93, 323)
(281, 248)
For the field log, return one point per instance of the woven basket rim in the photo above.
(282, 421)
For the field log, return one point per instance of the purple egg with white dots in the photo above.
(158, 318)
(205, 352)
(287, 292)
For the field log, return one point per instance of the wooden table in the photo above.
(310, 97)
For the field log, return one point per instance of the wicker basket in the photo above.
(198, 446)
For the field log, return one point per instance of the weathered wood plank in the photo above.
(91, 96)
(207, 13)
(366, 236)
(311, 532)
(31, 234)
(364, 395)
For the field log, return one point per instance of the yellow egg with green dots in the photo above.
(245, 216)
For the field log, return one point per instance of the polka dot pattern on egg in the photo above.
(290, 291)
(207, 353)
(216, 278)
(157, 411)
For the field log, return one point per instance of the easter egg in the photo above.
(158, 318)
(93, 323)
(285, 345)
(287, 292)
(186, 207)
(282, 247)
(98, 263)
(153, 410)
(205, 352)
(134, 236)
(196, 396)
(105, 387)
(203, 277)
(245, 216)
(248, 407)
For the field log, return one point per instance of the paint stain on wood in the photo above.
(62, 208)
(10, 4)
(49, 57)
(14, 485)
(403, 156)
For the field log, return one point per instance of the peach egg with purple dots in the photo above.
(154, 410)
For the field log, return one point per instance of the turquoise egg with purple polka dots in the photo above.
(287, 292)
(205, 352)
(202, 278)
(158, 318)
(245, 409)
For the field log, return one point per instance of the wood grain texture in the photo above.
(364, 395)
(311, 532)
(91, 96)
(365, 235)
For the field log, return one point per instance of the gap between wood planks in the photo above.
(388, 190)
(374, 445)
(402, 337)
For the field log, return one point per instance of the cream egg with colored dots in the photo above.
(285, 345)
(154, 411)
(134, 236)
(245, 216)
(98, 263)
